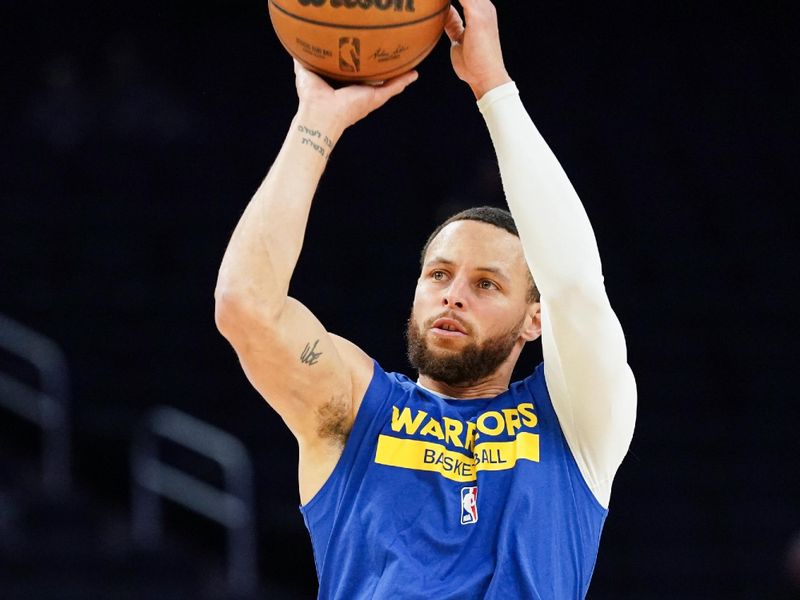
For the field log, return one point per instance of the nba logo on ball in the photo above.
(469, 505)
(350, 54)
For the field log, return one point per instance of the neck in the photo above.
(489, 387)
(481, 389)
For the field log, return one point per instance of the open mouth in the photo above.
(448, 328)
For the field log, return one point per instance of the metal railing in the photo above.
(46, 405)
(233, 507)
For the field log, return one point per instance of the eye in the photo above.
(487, 284)
(438, 275)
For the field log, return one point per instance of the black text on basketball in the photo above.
(406, 5)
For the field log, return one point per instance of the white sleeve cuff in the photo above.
(495, 94)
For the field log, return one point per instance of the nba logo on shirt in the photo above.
(469, 505)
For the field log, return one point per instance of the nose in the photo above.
(455, 294)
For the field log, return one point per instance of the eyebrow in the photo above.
(438, 260)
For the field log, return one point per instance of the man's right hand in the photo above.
(347, 105)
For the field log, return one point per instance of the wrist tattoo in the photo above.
(308, 356)
(316, 140)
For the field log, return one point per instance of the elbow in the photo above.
(228, 310)
(236, 312)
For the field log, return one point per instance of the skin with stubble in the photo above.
(471, 315)
(474, 362)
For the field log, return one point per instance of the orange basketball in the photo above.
(359, 40)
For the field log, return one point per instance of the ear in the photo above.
(533, 323)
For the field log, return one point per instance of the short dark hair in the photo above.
(492, 215)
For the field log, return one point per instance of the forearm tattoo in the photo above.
(308, 356)
(314, 138)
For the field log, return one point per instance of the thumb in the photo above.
(454, 26)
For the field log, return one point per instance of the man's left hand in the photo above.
(476, 53)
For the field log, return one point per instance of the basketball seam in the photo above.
(338, 26)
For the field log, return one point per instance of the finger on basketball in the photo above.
(454, 26)
(475, 10)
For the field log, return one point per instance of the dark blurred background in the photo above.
(135, 133)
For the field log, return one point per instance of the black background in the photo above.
(135, 133)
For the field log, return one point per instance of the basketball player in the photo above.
(460, 484)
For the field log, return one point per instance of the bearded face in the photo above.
(471, 363)
(471, 309)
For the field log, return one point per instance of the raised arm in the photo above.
(591, 386)
(313, 379)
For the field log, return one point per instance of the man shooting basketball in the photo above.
(459, 485)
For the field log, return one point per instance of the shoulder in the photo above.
(367, 375)
(360, 366)
(533, 384)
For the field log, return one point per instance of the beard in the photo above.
(465, 367)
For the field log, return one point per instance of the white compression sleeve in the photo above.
(585, 357)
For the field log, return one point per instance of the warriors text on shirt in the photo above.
(495, 440)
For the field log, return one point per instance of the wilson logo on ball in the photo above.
(406, 5)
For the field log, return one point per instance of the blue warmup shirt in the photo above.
(444, 499)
